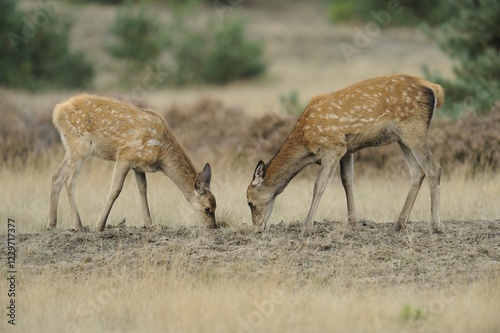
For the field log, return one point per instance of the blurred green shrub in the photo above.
(218, 53)
(472, 39)
(35, 52)
(412, 13)
(138, 38)
(231, 55)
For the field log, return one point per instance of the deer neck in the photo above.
(180, 169)
(290, 159)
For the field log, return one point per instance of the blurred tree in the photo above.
(138, 37)
(232, 56)
(411, 13)
(218, 53)
(472, 39)
(35, 52)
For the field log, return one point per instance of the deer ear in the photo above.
(259, 174)
(203, 179)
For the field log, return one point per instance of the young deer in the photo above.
(374, 112)
(136, 139)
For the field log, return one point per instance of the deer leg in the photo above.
(119, 174)
(140, 177)
(417, 176)
(432, 170)
(346, 174)
(73, 170)
(328, 165)
(57, 183)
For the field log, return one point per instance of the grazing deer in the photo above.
(374, 112)
(136, 139)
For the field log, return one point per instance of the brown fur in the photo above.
(374, 112)
(136, 139)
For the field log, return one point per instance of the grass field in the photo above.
(180, 277)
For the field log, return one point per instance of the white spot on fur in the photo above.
(135, 143)
(153, 142)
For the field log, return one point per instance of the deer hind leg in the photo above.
(328, 165)
(140, 177)
(346, 174)
(119, 174)
(417, 176)
(74, 165)
(432, 171)
(57, 183)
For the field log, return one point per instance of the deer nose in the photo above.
(213, 226)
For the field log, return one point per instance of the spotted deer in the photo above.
(370, 113)
(136, 139)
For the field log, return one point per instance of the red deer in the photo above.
(370, 113)
(136, 139)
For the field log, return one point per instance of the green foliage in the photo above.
(412, 13)
(104, 2)
(232, 56)
(189, 51)
(472, 39)
(138, 38)
(35, 51)
(218, 53)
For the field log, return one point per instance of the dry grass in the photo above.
(378, 197)
(189, 280)
(168, 301)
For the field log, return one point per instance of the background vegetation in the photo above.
(220, 51)
(137, 37)
(471, 38)
(35, 52)
(412, 12)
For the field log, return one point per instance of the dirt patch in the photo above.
(371, 253)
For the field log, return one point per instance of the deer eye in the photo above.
(207, 209)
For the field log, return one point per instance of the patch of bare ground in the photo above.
(369, 254)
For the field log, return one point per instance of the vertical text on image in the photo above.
(11, 271)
